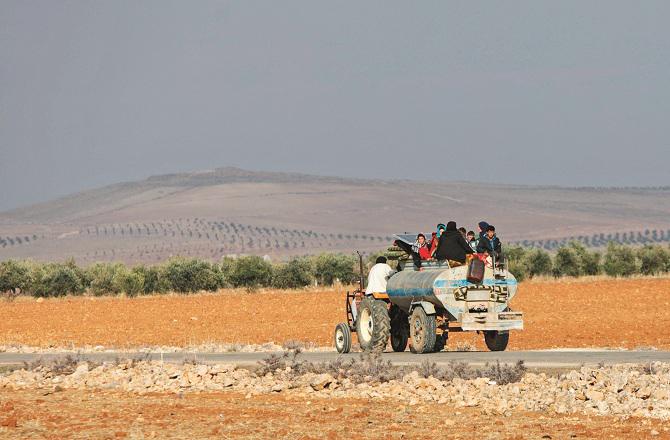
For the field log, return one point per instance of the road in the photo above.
(532, 359)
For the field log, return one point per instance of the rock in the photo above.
(278, 387)
(80, 370)
(654, 432)
(221, 368)
(596, 396)
(643, 393)
(661, 394)
(202, 370)
(321, 381)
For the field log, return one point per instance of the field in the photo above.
(629, 314)
(113, 415)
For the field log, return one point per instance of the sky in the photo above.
(569, 93)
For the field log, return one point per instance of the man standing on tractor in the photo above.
(378, 277)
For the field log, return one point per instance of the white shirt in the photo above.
(377, 278)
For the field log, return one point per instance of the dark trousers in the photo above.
(408, 248)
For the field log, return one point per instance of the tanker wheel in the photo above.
(399, 329)
(343, 338)
(373, 325)
(422, 328)
(496, 340)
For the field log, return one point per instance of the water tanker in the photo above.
(423, 306)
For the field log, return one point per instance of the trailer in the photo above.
(421, 308)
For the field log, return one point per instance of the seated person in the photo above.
(421, 247)
(452, 246)
(472, 241)
(489, 243)
(435, 237)
(482, 228)
(420, 250)
(378, 277)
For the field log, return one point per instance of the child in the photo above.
(489, 243)
(472, 241)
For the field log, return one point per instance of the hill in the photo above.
(232, 211)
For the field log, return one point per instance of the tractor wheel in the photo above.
(373, 325)
(343, 338)
(399, 329)
(422, 328)
(496, 340)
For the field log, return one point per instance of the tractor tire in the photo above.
(422, 329)
(496, 340)
(399, 329)
(373, 325)
(342, 338)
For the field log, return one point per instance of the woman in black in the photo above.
(452, 246)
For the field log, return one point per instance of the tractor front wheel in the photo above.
(343, 338)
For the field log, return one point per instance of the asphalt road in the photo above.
(532, 359)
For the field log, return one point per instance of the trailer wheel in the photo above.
(373, 325)
(399, 329)
(422, 328)
(496, 340)
(343, 338)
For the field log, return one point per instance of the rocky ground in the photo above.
(623, 391)
(287, 398)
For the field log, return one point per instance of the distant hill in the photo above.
(235, 211)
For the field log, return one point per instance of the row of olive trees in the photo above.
(182, 275)
(576, 260)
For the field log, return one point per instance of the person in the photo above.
(482, 228)
(435, 238)
(462, 231)
(490, 243)
(378, 276)
(470, 238)
(452, 246)
(420, 250)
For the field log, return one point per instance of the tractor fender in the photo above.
(427, 307)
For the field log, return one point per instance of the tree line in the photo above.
(186, 275)
(574, 259)
(182, 275)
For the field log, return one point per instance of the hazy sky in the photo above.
(537, 92)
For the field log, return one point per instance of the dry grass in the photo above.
(570, 313)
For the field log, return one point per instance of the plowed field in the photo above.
(601, 313)
(114, 415)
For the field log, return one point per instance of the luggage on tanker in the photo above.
(476, 269)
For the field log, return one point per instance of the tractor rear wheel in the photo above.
(399, 329)
(422, 329)
(343, 338)
(373, 325)
(496, 340)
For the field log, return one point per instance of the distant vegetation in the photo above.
(648, 236)
(575, 260)
(186, 275)
(182, 275)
